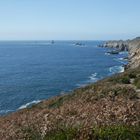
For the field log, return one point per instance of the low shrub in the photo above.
(132, 75)
(117, 133)
(98, 133)
(30, 133)
(125, 80)
(57, 103)
(62, 134)
(137, 82)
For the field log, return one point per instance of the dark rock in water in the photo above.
(125, 58)
(101, 46)
(52, 42)
(78, 44)
(113, 52)
(125, 67)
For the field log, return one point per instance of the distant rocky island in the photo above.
(106, 110)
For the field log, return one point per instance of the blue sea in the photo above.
(31, 71)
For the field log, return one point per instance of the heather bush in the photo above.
(125, 80)
(132, 75)
(137, 83)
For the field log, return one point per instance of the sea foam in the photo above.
(5, 111)
(93, 77)
(28, 104)
(116, 69)
(121, 60)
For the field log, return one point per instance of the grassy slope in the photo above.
(108, 110)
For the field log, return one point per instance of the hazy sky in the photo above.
(69, 19)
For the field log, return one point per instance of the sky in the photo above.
(69, 19)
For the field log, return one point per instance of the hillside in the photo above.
(106, 110)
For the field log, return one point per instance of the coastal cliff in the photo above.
(108, 109)
(134, 53)
(132, 46)
(120, 45)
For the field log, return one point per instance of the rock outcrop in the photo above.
(133, 46)
(119, 45)
(134, 53)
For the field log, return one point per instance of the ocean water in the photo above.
(31, 71)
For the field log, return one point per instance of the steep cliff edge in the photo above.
(134, 53)
(132, 46)
(119, 45)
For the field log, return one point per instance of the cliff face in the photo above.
(134, 53)
(133, 46)
(120, 45)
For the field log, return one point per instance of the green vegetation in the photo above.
(137, 82)
(132, 75)
(117, 133)
(125, 80)
(56, 103)
(30, 133)
(62, 134)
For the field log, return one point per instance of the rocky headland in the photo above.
(134, 53)
(106, 110)
(132, 46)
(119, 45)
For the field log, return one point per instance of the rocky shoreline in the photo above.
(119, 45)
(132, 46)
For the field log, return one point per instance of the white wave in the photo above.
(81, 85)
(82, 46)
(5, 111)
(62, 93)
(107, 53)
(93, 77)
(125, 52)
(116, 69)
(121, 60)
(28, 104)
